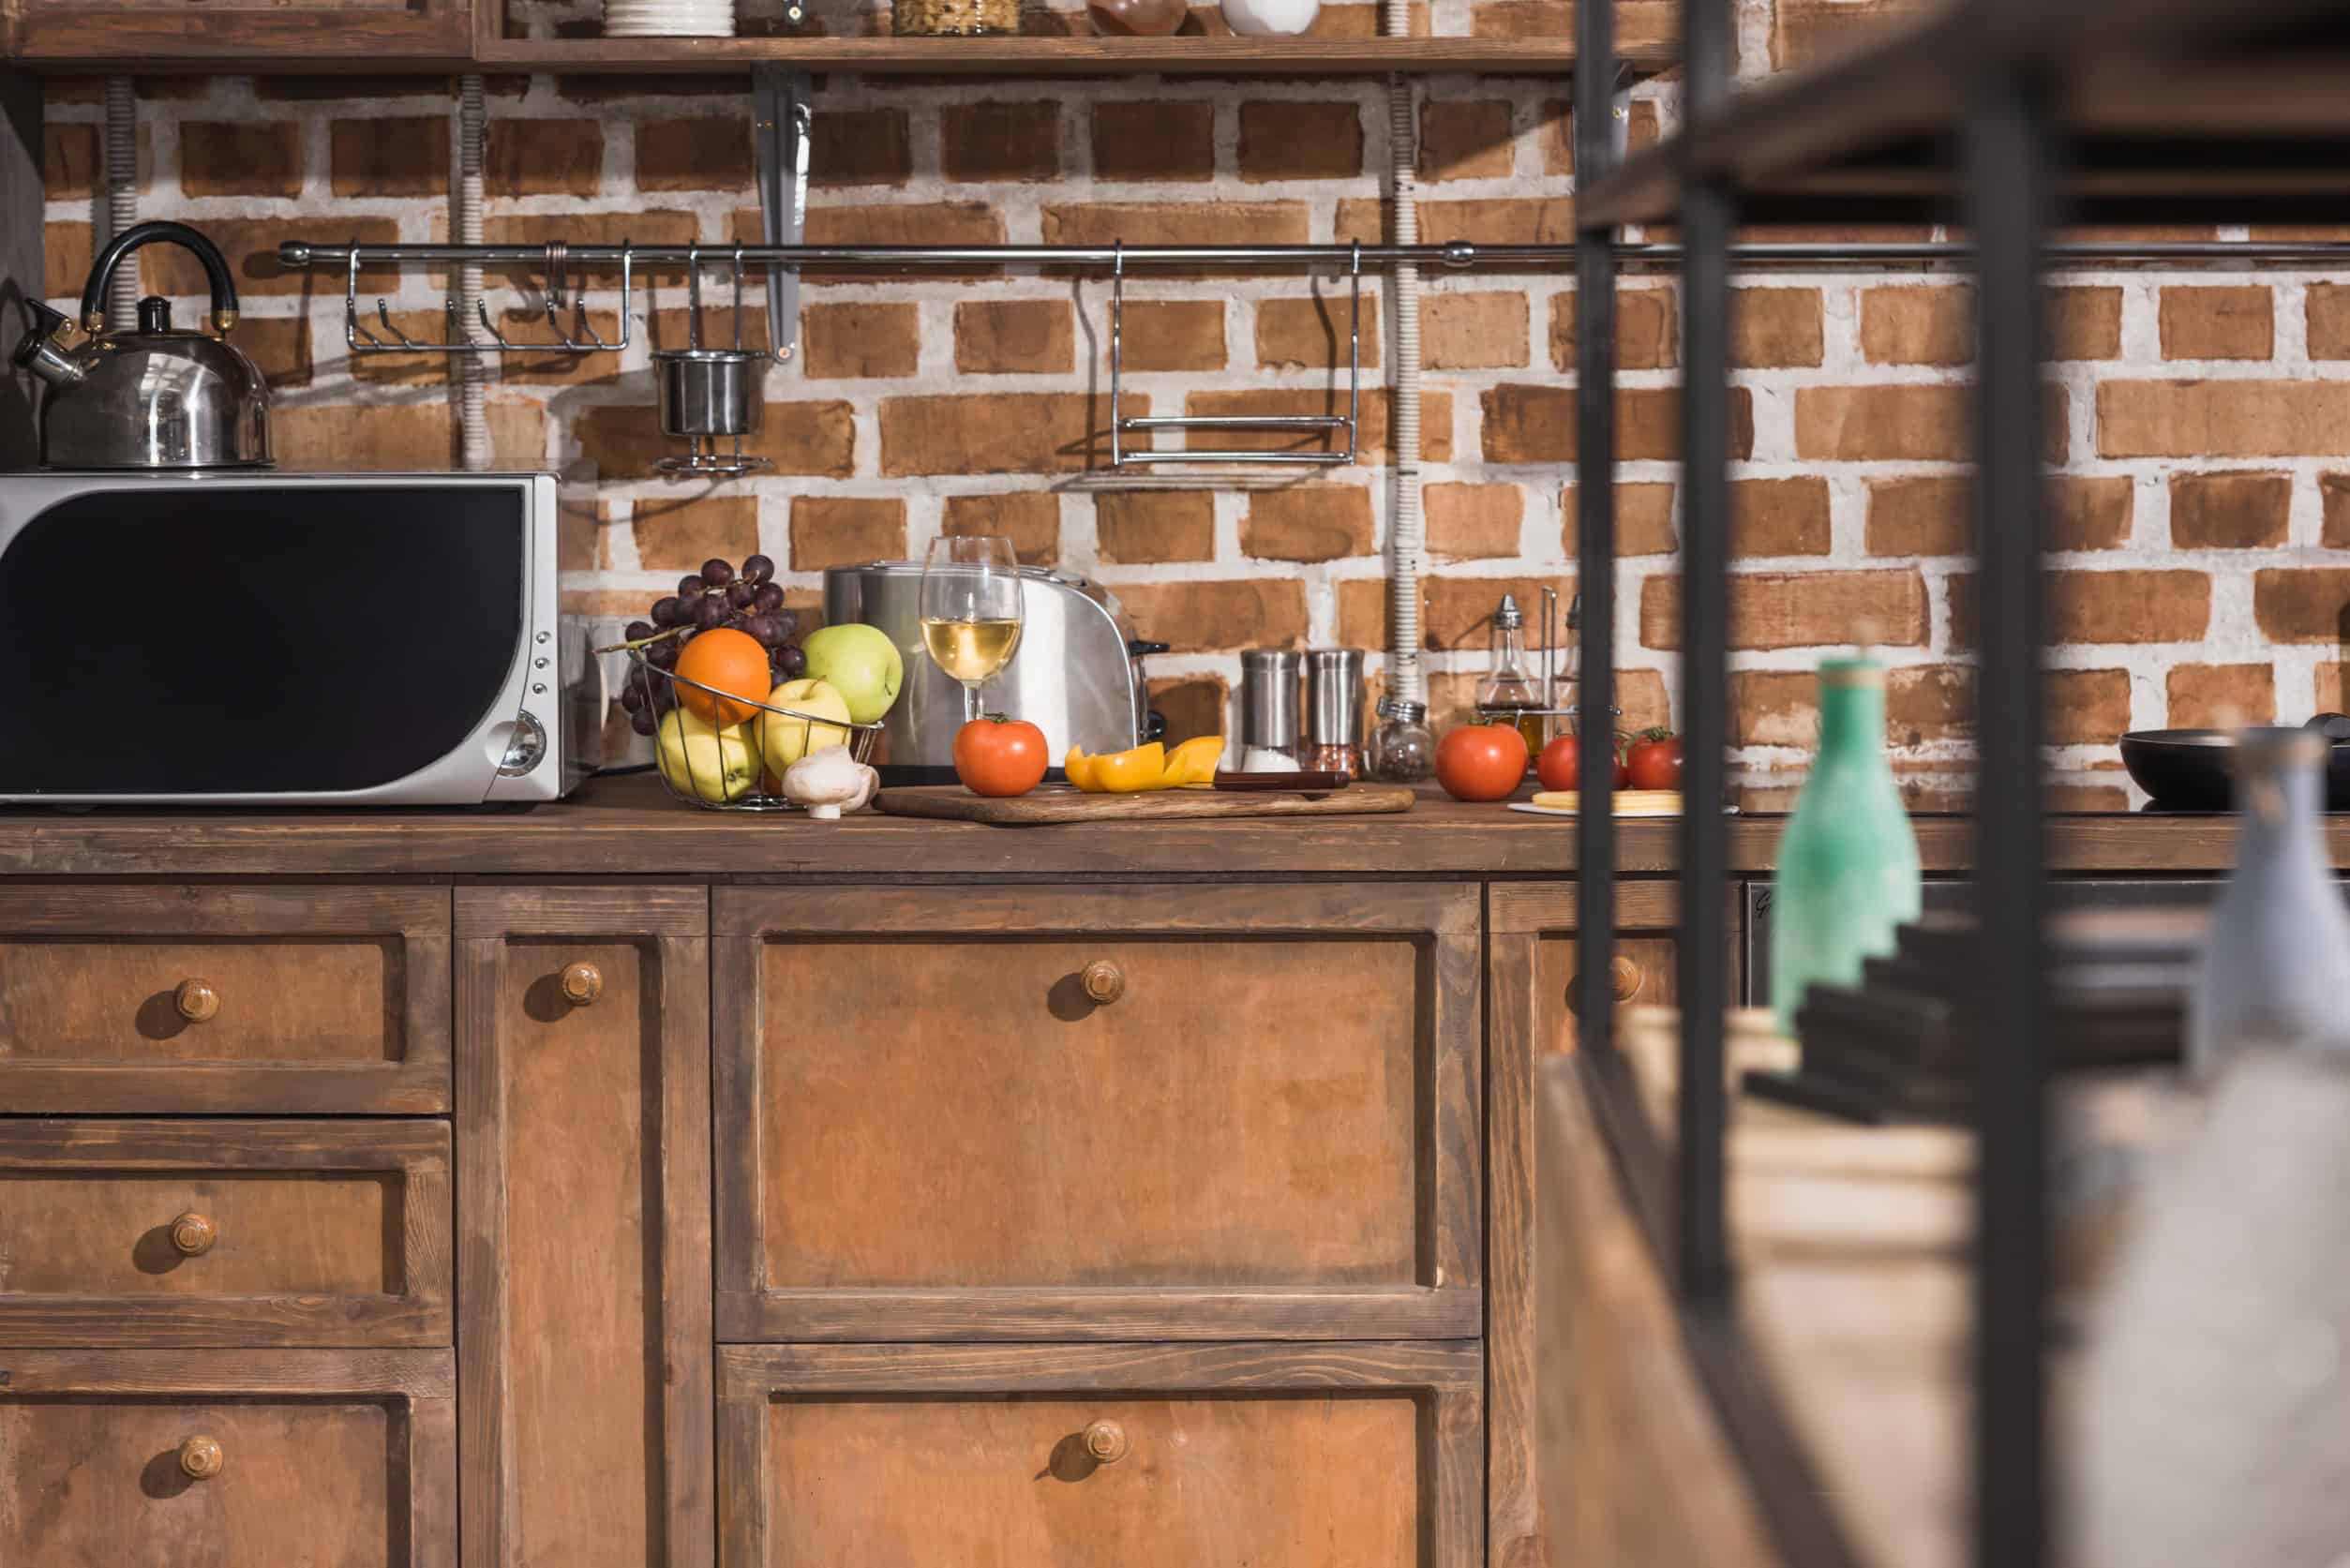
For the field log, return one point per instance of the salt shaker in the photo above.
(1403, 749)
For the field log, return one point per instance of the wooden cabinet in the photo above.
(196, 1000)
(1363, 1454)
(326, 1458)
(226, 33)
(583, 1279)
(1062, 1113)
(224, 1232)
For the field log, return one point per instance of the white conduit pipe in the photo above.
(1407, 530)
(121, 187)
(472, 369)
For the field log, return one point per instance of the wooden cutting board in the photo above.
(1051, 804)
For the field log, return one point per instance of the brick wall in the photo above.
(2203, 431)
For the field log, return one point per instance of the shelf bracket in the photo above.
(779, 146)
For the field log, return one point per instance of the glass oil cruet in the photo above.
(1509, 693)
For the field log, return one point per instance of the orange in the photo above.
(723, 660)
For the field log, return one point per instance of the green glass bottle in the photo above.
(1848, 867)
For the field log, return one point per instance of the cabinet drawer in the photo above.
(212, 1232)
(1139, 1456)
(224, 1000)
(333, 1460)
(1169, 1113)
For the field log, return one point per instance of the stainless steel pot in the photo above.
(709, 392)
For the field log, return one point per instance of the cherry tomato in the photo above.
(1481, 762)
(1560, 766)
(996, 755)
(1656, 760)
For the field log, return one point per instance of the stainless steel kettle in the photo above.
(153, 398)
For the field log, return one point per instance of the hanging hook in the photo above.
(481, 308)
(383, 313)
(353, 333)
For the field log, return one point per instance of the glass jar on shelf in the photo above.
(1402, 748)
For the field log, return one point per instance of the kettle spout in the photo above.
(39, 352)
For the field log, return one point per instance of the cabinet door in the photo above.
(220, 1233)
(583, 1273)
(1364, 1455)
(1531, 969)
(1051, 1113)
(260, 33)
(324, 1458)
(240, 1000)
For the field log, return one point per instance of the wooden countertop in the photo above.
(628, 827)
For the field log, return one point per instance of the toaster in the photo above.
(1077, 675)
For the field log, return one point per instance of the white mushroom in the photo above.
(828, 781)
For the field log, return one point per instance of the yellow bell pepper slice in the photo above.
(1194, 762)
(1079, 767)
(1126, 772)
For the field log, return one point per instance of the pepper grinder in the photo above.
(1334, 711)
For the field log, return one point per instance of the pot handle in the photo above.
(216, 269)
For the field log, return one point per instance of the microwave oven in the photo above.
(288, 639)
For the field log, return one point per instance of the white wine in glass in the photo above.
(971, 611)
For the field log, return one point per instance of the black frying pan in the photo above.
(2186, 770)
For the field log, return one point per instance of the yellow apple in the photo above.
(705, 761)
(783, 741)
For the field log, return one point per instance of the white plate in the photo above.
(668, 29)
(1533, 810)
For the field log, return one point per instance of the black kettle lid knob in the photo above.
(154, 314)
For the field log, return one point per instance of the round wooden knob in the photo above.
(1103, 980)
(201, 1458)
(193, 1234)
(196, 1000)
(1105, 1441)
(582, 984)
(1624, 978)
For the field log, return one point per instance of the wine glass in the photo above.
(971, 609)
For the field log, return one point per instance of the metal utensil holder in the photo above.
(1123, 424)
(359, 340)
(709, 396)
(663, 693)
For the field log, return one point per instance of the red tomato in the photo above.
(1656, 760)
(1481, 762)
(1560, 766)
(996, 755)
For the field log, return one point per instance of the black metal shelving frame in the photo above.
(2009, 117)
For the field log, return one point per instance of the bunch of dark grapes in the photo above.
(750, 601)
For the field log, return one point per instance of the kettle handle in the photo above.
(216, 269)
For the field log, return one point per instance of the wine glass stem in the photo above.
(970, 702)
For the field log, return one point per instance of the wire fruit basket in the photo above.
(730, 766)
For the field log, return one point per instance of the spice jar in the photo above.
(938, 18)
(1403, 749)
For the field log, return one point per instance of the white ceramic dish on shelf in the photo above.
(1270, 18)
(668, 19)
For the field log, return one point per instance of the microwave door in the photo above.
(216, 639)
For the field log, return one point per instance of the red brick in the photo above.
(1556, 131)
(1473, 331)
(1013, 336)
(1098, 223)
(1151, 528)
(858, 147)
(2119, 607)
(1455, 611)
(2229, 511)
(980, 142)
(65, 257)
(2301, 604)
(1481, 220)
(1776, 327)
(2085, 322)
(402, 157)
(846, 531)
(2328, 308)
(1924, 705)
(1464, 139)
(1780, 516)
(251, 244)
(565, 157)
(1218, 617)
(679, 535)
(1315, 332)
(1473, 522)
(2223, 419)
(1174, 334)
(644, 226)
(1905, 421)
(1932, 515)
(817, 438)
(2230, 322)
(1308, 523)
(281, 346)
(704, 152)
(2221, 696)
(1918, 323)
(1001, 432)
(864, 338)
(2333, 491)
(1801, 609)
(1192, 705)
(1300, 139)
(1155, 141)
(2084, 706)
(1644, 519)
(892, 223)
(1536, 424)
(251, 157)
(1031, 519)
(1806, 31)
(395, 438)
(1647, 333)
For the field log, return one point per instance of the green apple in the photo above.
(711, 763)
(783, 741)
(859, 662)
